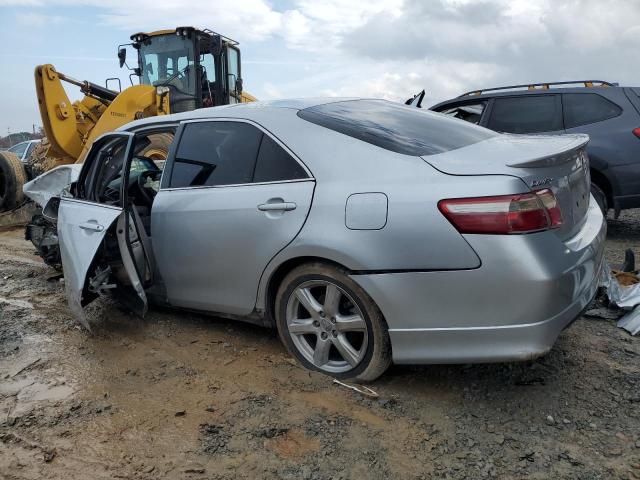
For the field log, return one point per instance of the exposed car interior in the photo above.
(143, 176)
(103, 184)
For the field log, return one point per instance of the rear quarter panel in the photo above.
(416, 236)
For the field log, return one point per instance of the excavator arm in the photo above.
(71, 127)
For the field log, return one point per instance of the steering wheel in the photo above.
(144, 190)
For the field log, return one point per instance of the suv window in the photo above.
(215, 153)
(471, 113)
(395, 127)
(275, 164)
(584, 108)
(526, 114)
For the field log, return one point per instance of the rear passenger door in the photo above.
(232, 197)
(526, 114)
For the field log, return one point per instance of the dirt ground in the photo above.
(186, 396)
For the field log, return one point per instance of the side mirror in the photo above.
(122, 56)
(50, 210)
(239, 85)
(73, 189)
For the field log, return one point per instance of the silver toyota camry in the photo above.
(365, 231)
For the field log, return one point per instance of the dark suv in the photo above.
(608, 113)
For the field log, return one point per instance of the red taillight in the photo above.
(504, 214)
(636, 132)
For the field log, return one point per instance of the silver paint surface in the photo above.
(446, 297)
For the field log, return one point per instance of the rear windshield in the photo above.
(396, 127)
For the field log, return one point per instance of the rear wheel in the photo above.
(601, 198)
(12, 177)
(330, 324)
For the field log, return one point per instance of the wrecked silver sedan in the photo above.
(366, 232)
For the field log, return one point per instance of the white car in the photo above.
(24, 149)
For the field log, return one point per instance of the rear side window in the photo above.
(215, 153)
(275, 164)
(527, 114)
(585, 108)
(399, 128)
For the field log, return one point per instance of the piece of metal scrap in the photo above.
(625, 297)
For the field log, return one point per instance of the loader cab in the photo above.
(199, 67)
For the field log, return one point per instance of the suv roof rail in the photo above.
(543, 86)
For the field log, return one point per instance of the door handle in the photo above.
(282, 206)
(93, 226)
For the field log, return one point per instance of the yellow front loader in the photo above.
(178, 70)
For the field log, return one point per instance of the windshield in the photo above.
(169, 60)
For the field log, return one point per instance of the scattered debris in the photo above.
(631, 321)
(366, 391)
(49, 455)
(623, 293)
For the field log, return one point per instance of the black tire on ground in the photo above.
(377, 356)
(601, 198)
(12, 177)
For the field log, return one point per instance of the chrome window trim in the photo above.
(234, 185)
(89, 202)
(265, 132)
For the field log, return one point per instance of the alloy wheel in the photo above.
(326, 326)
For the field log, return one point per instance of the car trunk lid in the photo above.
(557, 162)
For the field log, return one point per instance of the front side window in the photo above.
(585, 108)
(215, 153)
(526, 114)
(398, 128)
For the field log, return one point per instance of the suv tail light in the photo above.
(636, 132)
(504, 214)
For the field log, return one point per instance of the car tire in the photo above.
(344, 336)
(600, 197)
(12, 178)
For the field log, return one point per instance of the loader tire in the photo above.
(12, 177)
(158, 149)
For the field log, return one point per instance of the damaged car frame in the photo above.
(366, 232)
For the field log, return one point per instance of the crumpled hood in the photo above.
(53, 183)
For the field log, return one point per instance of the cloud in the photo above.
(37, 20)
(394, 48)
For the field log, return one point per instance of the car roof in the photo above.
(523, 91)
(237, 110)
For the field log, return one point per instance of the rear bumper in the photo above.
(513, 307)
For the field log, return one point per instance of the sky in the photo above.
(298, 48)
